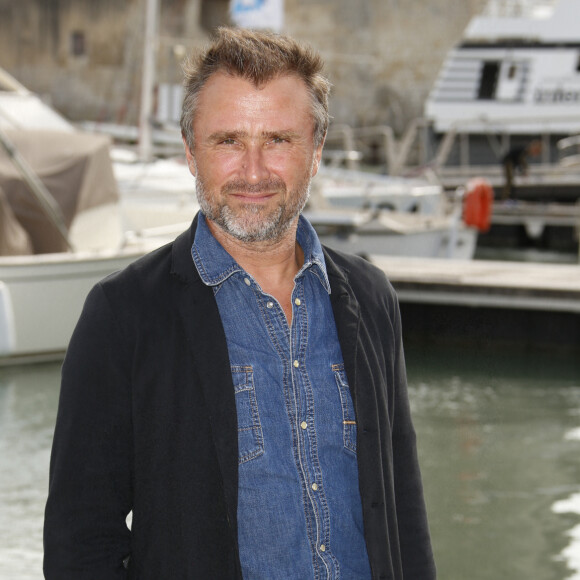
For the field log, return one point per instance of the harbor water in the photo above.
(499, 443)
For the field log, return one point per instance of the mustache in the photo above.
(272, 185)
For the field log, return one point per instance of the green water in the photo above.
(499, 443)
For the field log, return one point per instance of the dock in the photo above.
(487, 303)
(545, 224)
(536, 216)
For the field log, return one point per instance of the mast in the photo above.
(148, 80)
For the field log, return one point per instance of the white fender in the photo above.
(7, 332)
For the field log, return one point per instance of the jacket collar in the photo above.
(215, 265)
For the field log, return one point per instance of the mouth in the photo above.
(257, 198)
(258, 193)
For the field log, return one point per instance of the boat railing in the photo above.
(395, 151)
(451, 155)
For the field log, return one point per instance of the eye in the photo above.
(228, 141)
(279, 139)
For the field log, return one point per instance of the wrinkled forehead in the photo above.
(230, 80)
(226, 96)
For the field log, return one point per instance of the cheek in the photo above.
(219, 166)
(289, 167)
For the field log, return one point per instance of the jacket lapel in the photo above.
(208, 348)
(347, 318)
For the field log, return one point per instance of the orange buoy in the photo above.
(478, 204)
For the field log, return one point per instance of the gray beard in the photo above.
(251, 222)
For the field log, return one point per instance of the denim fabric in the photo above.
(299, 510)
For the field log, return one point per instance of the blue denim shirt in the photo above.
(299, 507)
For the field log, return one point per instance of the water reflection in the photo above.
(499, 439)
(496, 457)
(28, 401)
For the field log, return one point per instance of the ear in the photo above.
(189, 157)
(317, 158)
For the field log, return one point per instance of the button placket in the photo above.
(307, 439)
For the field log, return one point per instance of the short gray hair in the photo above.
(258, 57)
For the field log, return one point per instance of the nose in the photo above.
(254, 164)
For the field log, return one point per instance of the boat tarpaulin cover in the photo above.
(76, 169)
(14, 241)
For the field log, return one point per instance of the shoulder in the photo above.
(368, 283)
(361, 274)
(154, 273)
(145, 273)
(146, 291)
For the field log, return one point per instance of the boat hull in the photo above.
(41, 298)
(438, 243)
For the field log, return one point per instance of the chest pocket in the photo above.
(348, 416)
(250, 437)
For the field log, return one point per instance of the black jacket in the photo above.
(147, 422)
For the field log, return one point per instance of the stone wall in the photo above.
(85, 55)
(382, 55)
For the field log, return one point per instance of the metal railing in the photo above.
(419, 149)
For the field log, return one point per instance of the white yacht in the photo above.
(516, 70)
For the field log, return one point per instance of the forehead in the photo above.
(232, 100)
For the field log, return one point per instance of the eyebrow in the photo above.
(266, 135)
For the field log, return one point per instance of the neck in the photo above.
(267, 261)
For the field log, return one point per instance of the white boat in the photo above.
(513, 78)
(359, 189)
(516, 70)
(41, 297)
(369, 232)
(22, 109)
(46, 267)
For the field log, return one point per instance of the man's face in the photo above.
(254, 154)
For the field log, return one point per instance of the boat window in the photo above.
(512, 71)
(488, 82)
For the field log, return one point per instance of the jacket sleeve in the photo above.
(414, 537)
(90, 485)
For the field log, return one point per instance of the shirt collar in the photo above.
(215, 265)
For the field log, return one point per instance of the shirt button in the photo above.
(304, 424)
(297, 302)
(296, 364)
(322, 548)
(269, 304)
(247, 281)
(315, 487)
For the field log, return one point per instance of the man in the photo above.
(242, 390)
(516, 160)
